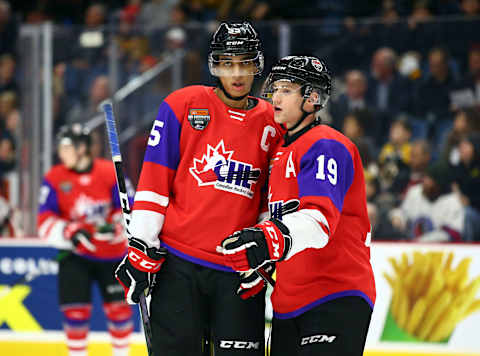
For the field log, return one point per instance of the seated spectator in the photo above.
(431, 211)
(8, 103)
(462, 34)
(394, 157)
(7, 153)
(7, 74)
(424, 31)
(468, 183)
(156, 13)
(467, 92)
(420, 157)
(387, 90)
(355, 126)
(432, 95)
(390, 30)
(377, 209)
(8, 29)
(466, 121)
(353, 98)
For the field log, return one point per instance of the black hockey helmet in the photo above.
(233, 39)
(310, 73)
(74, 134)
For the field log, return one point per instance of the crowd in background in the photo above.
(407, 87)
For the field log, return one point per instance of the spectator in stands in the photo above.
(432, 95)
(398, 144)
(394, 157)
(424, 32)
(446, 7)
(99, 91)
(353, 98)
(8, 103)
(90, 50)
(468, 184)
(431, 211)
(420, 157)
(470, 8)
(156, 14)
(467, 93)
(462, 34)
(7, 153)
(355, 126)
(7, 73)
(388, 91)
(8, 29)
(466, 121)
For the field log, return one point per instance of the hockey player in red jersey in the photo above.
(318, 232)
(80, 215)
(205, 164)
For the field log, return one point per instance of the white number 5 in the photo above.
(154, 137)
(331, 168)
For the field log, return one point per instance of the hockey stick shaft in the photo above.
(107, 108)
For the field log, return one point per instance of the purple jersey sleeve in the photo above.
(48, 201)
(327, 170)
(164, 142)
(116, 197)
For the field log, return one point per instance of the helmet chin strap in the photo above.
(304, 115)
(236, 98)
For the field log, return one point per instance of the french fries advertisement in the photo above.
(431, 295)
(428, 297)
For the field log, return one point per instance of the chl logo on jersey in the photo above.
(217, 168)
(279, 208)
(198, 118)
(92, 210)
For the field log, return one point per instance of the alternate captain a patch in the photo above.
(198, 118)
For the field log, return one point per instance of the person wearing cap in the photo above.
(431, 211)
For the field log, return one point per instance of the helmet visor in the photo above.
(236, 65)
(281, 85)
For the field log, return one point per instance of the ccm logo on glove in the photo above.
(142, 261)
(275, 243)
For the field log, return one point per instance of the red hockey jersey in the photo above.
(92, 196)
(204, 167)
(317, 189)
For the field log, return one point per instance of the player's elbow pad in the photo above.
(307, 231)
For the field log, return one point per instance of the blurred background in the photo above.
(406, 92)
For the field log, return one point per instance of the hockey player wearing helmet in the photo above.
(73, 147)
(205, 165)
(318, 233)
(80, 215)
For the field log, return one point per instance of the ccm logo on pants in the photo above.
(232, 344)
(317, 339)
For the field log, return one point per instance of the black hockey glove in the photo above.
(80, 233)
(136, 272)
(251, 283)
(253, 247)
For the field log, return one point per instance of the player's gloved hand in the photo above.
(80, 233)
(136, 272)
(251, 283)
(253, 247)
